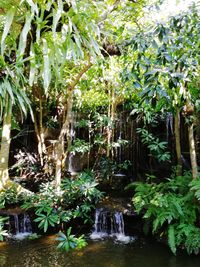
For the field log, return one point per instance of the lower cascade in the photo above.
(20, 225)
(109, 224)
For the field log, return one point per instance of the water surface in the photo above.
(102, 253)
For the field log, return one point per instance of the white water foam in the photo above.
(109, 224)
(21, 236)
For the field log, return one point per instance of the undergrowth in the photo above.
(171, 210)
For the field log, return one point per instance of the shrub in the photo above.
(76, 199)
(171, 210)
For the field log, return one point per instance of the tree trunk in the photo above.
(38, 124)
(60, 154)
(178, 142)
(60, 147)
(193, 157)
(5, 145)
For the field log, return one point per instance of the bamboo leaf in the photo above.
(8, 89)
(21, 104)
(74, 6)
(8, 22)
(46, 75)
(32, 66)
(56, 16)
(24, 33)
(33, 6)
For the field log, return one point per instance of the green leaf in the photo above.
(8, 22)
(69, 231)
(23, 35)
(46, 75)
(33, 6)
(32, 66)
(8, 88)
(171, 239)
(56, 16)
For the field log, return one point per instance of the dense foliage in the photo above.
(87, 85)
(76, 199)
(171, 210)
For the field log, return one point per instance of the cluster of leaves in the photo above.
(10, 196)
(166, 62)
(108, 167)
(75, 200)
(69, 241)
(171, 210)
(3, 232)
(80, 146)
(29, 169)
(156, 147)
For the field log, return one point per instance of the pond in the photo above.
(101, 253)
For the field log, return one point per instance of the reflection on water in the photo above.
(104, 253)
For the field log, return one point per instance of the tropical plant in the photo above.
(9, 195)
(3, 232)
(157, 148)
(75, 200)
(80, 146)
(168, 208)
(162, 68)
(68, 242)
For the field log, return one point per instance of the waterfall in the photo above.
(26, 224)
(22, 224)
(169, 124)
(119, 223)
(109, 224)
(16, 220)
(119, 147)
(71, 154)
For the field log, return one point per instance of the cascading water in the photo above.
(169, 124)
(22, 226)
(26, 224)
(119, 223)
(119, 140)
(109, 224)
(71, 154)
(16, 220)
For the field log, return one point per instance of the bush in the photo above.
(76, 199)
(171, 210)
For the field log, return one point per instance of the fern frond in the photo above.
(195, 187)
(171, 239)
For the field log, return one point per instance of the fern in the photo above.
(169, 208)
(195, 187)
(171, 239)
(188, 235)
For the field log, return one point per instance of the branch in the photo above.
(78, 77)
